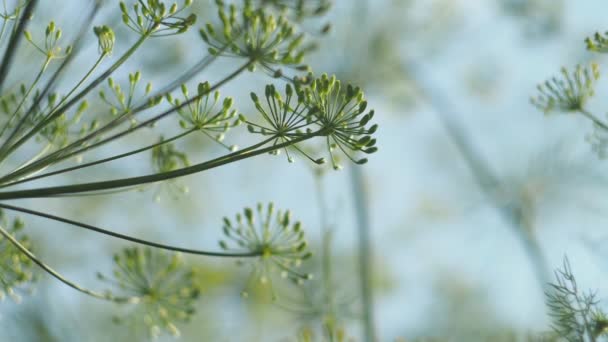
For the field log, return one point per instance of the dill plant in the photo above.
(149, 277)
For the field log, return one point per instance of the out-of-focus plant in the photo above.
(52, 116)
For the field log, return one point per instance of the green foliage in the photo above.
(56, 115)
(576, 315)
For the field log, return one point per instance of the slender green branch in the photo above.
(76, 44)
(326, 241)
(63, 154)
(127, 237)
(158, 117)
(100, 161)
(482, 175)
(61, 278)
(13, 43)
(126, 182)
(365, 253)
(58, 111)
(593, 118)
(35, 157)
(15, 113)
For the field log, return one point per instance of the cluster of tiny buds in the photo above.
(278, 242)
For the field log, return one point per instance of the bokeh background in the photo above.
(454, 256)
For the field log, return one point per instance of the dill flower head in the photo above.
(16, 269)
(205, 115)
(165, 289)
(568, 93)
(257, 35)
(300, 8)
(105, 39)
(165, 158)
(278, 242)
(284, 118)
(155, 18)
(340, 113)
(599, 43)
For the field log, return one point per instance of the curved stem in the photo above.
(63, 154)
(58, 276)
(125, 182)
(127, 237)
(100, 161)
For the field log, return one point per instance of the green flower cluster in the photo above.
(163, 288)
(204, 115)
(257, 35)
(323, 108)
(154, 18)
(16, 269)
(278, 242)
(569, 93)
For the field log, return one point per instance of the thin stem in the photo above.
(326, 242)
(127, 237)
(58, 276)
(365, 253)
(483, 175)
(13, 43)
(25, 96)
(126, 182)
(62, 155)
(100, 161)
(35, 157)
(53, 115)
(75, 48)
(593, 118)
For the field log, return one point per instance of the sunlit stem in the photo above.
(101, 161)
(151, 178)
(127, 237)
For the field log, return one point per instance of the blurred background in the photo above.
(474, 196)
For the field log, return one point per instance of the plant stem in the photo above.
(126, 182)
(58, 276)
(127, 237)
(65, 153)
(25, 96)
(592, 117)
(57, 112)
(100, 161)
(482, 174)
(13, 43)
(75, 47)
(326, 242)
(365, 252)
